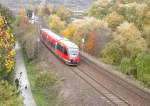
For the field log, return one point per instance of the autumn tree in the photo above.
(7, 51)
(100, 8)
(7, 14)
(129, 37)
(63, 12)
(133, 13)
(56, 24)
(83, 28)
(90, 45)
(69, 31)
(112, 53)
(114, 20)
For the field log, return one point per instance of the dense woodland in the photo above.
(117, 32)
(8, 95)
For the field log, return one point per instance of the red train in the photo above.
(62, 47)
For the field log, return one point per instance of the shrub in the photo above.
(8, 95)
(125, 65)
(143, 67)
(112, 53)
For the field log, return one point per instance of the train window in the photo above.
(64, 51)
(58, 47)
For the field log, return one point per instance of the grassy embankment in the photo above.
(42, 80)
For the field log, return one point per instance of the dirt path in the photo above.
(21, 74)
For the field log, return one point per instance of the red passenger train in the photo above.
(62, 47)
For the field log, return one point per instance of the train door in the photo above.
(61, 52)
(65, 54)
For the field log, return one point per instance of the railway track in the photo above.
(113, 88)
(107, 94)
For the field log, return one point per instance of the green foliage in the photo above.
(45, 80)
(112, 53)
(125, 65)
(143, 68)
(8, 95)
(56, 24)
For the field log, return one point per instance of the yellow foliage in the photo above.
(114, 20)
(56, 24)
(7, 43)
(130, 38)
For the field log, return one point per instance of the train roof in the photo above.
(63, 40)
(68, 43)
(52, 34)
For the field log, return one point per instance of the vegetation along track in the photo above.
(114, 88)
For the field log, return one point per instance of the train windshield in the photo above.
(73, 51)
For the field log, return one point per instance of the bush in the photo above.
(8, 95)
(143, 68)
(45, 79)
(125, 65)
(112, 53)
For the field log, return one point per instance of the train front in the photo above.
(74, 55)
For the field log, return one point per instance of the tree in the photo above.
(69, 31)
(7, 14)
(112, 53)
(114, 20)
(7, 51)
(133, 13)
(63, 12)
(129, 37)
(83, 28)
(90, 45)
(56, 24)
(100, 8)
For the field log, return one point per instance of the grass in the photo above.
(43, 96)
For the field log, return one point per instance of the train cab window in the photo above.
(65, 51)
(62, 49)
(59, 47)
